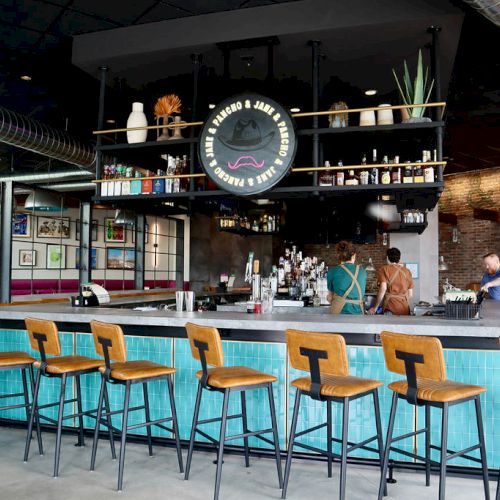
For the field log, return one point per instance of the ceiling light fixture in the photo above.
(26, 78)
(211, 106)
(43, 201)
(295, 110)
(370, 92)
(111, 121)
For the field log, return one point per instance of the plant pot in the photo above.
(417, 119)
(405, 115)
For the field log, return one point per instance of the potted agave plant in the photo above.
(416, 92)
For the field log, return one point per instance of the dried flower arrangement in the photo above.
(167, 105)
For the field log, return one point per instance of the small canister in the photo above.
(250, 306)
(257, 307)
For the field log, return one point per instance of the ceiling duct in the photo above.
(32, 135)
(488, 8)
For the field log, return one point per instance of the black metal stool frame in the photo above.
(410, 360)
(203, 384)
(36, 415)
(314, 355)
(25, 394)
(105, 378)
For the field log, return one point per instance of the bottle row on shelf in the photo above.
(122, 180)
(391, 172)
(413, 216)
(266, 223)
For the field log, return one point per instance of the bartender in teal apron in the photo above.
(346, 282)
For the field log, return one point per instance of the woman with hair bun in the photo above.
(346, 282)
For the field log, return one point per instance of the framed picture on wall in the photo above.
(413, 268)
(113, 232)
(56, 257)
(27, 258)
(95, 227)
(120, 258)
(53, 227)
(93, 259)
(21, 225)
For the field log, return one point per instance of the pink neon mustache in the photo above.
(245, 161)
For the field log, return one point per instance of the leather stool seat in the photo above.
(438, 391)
(135, 370)
(15, 358)
(68, 364)
(225, 377)
(339, 386)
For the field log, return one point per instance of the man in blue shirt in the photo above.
(491, 278)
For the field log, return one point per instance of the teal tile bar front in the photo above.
(466, 365)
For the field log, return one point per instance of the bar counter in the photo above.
(472, 356)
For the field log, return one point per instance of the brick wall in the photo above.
(377, 251)
(463, 193)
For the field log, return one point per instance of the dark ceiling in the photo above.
(36, 39)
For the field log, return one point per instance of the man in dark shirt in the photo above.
(491, 278)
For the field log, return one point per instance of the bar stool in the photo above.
(44, 337)
(21, 361)
(110, 343)
(206, 346)
(324, 356)
(421, 360)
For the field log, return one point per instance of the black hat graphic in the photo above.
(247, 137)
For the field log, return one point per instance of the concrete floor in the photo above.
(158, 477)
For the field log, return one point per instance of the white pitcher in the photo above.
(137, 119)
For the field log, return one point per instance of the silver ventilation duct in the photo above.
(48, 176)
(488, 8)
(32, 135)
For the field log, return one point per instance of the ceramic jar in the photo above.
(137, 119)
(367, 118)
(384, 116)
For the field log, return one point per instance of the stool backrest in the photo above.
(109, 341)
(44, 336)
(206, 339)
(426, 354)
(331, 346)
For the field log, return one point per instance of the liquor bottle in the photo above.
(326, 177)
(184, 182)
(429, 173)
(374, 177)
(129, 172)
(386, 176)
(418, 173)
(408, 174)
(147, 184)
(351, 180)
(105, 177)
(340, 174)
(118, 182)
(176, 183)
(396, 175)
(363, 160)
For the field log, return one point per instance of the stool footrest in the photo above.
(407, 435)
(455, 454)
(247, 434)
(117, 412)
(362, 445)
(149, 424)
(49, 405)
(311, 429)
(17, 395)
(207, 436)
(13, 407)
(411, 455)
(268, 441)
(218, 419)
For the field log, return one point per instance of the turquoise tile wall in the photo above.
(476, 367)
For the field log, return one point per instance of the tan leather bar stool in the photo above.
(44, 338)
(110, 343)
(21, 361)
(206, 346)
(324, 356)
(421, 360)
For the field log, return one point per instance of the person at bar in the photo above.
(346, 282)
(395, 286)
(491, 278)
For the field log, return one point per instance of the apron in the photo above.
(389, 295)
(339, 301)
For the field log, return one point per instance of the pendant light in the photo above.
(43, 201)
(124, 217)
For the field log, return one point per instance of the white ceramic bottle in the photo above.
(137, 119)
